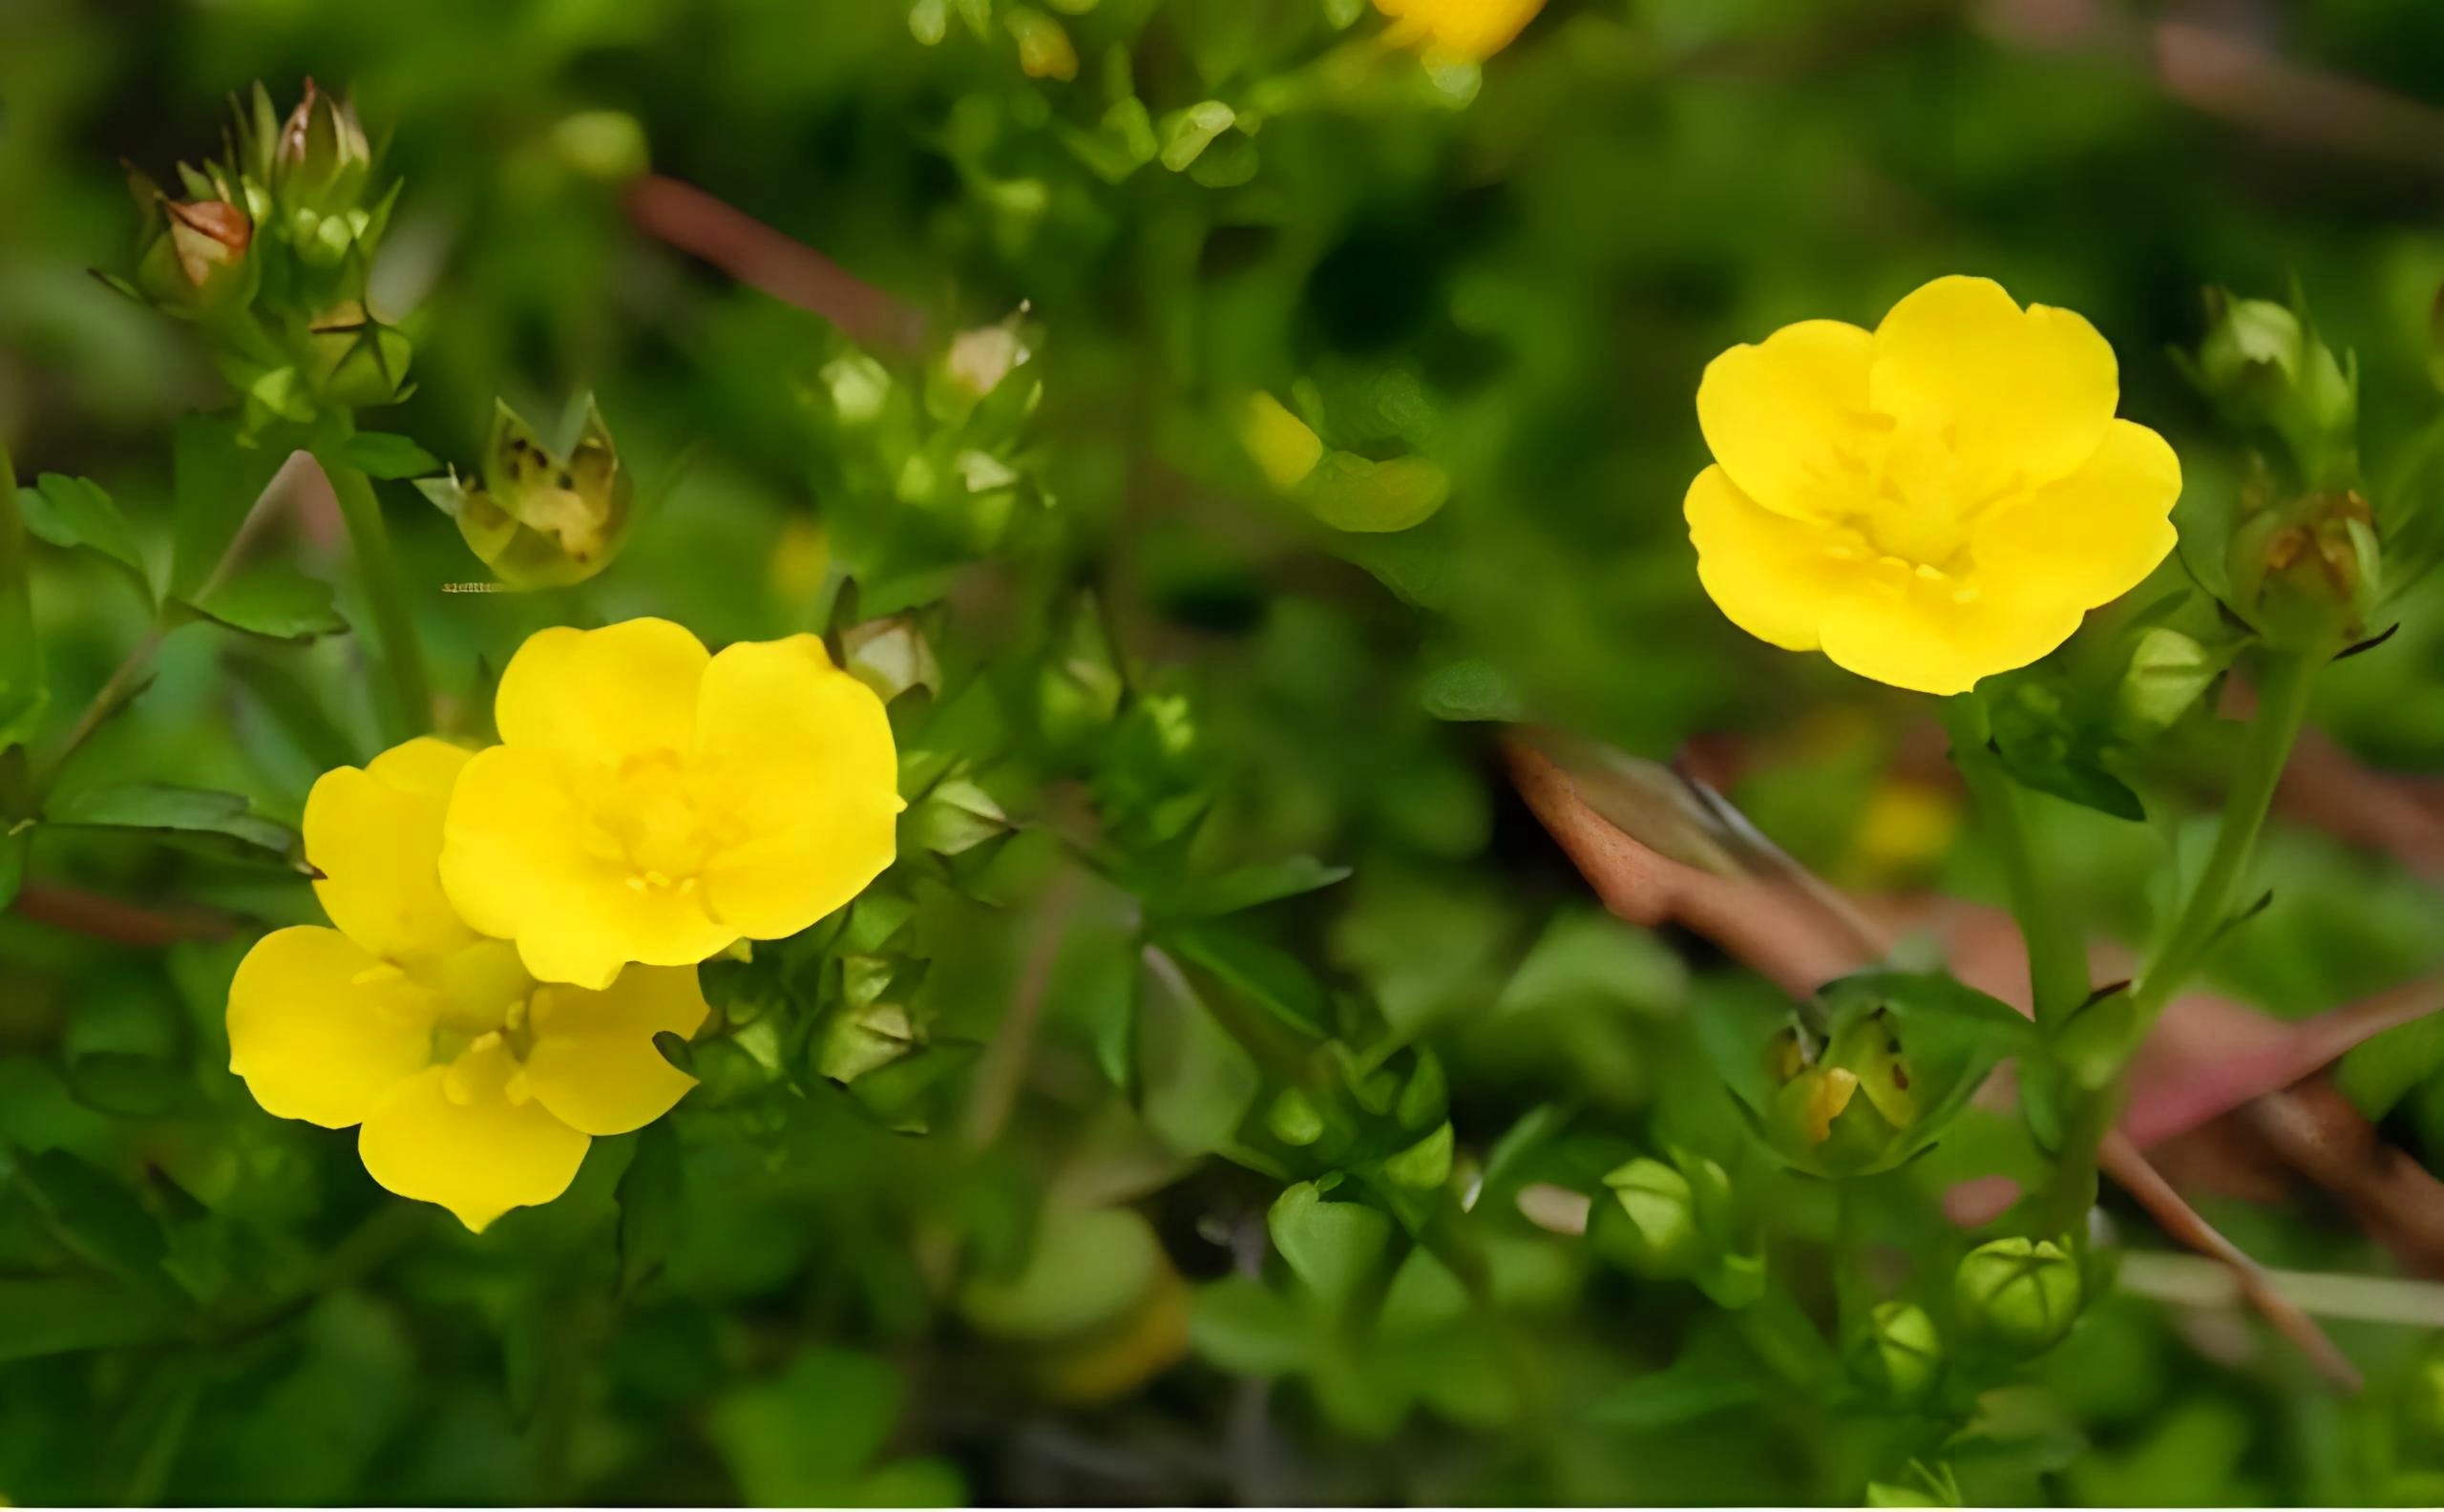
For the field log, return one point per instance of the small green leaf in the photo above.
(1250, 886)
(1248, 1329)
(60, 1314)
(74, 511)
(379, 454)
(1274, 980)
(1467, 692)
(1351, 493)
(193, 812)
(1335, 1248)
(274, 600)
(648, 1195)
(1187, 132)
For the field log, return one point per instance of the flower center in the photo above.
(1915, 508)
(649, 814)
(484, 1004)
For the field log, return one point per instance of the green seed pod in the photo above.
(541, 518)
(1899, 1354)
(1647, 1222)
(2021, 1293)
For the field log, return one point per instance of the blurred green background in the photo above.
(1518, 278)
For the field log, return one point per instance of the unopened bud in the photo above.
(2021, 1293)
(1898, 1353)
(2262, 366)
(2308, 575)
(539, 517)
(322, 160)
(192, 257)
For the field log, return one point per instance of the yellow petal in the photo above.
(1784, 418)
(2026, 394)
(470, 1137)
(593, 1063)
(596, 696)
(521, 861)
(2096, 534)
(374, 836)
(1941, 637)
(322, 1030)
(1773, 576)
(804, 752)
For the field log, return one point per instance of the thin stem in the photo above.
(2283, 707)
(407, 709)
(2057, 956)
(20, 658)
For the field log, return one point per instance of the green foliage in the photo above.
(1213, 431)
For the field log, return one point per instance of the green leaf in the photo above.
(802, 1437)
(1351, 493)
(15, 846)
(1668, 1398)
(215, 483)
(1089, 1266)
(1195, 1084)
(1248, 1329)
(274, 600)
(60, 1314)
(1247, 887)
(190, 811)
(1337, 1249)
(1273, 979)
(648, 1195)
(1469, 691)
(376, 453)
(100, 1218)
(74, 511)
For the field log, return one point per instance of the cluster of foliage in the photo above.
(1208, 429)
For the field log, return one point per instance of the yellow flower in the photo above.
(477, 1087)
(652, 803)
(1457, 30)
(1936, 500)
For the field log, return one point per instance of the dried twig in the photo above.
(106, 918)
(781, 265)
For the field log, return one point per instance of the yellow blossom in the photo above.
(651, 801)
(1457, 30)
(1938, 499)
(477, 1087)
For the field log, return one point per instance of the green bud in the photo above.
(360, 362)
(322, 162)
(1647, 1224)
(2262, 366)
(2021, 1293)
(2307, 575)
(539, 517)
(1898, 1353)
(891, 656)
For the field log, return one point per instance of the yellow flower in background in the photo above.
(651, 801)
(1457, 30)
(1930, 502)
(477, 1088)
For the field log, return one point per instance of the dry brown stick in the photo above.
(781, 265)
(1005, 1060)
(1799, 946)
(2318, 1133)
(96, 916)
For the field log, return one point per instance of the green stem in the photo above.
(2057, 956)
(2283, 707)
(407, 709)
(21, 688)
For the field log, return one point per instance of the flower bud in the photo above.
(2306, 575)
(2020, 1294)
(1852, 1109)
(541, 518)
(193, 253)
(2263, 366)
(2167, 674)
(359, 361)
(321, 161)
(1898, 1353)
(1648, 1224)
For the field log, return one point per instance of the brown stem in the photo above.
(1005, 1060)
(781, 265)
(107, 918)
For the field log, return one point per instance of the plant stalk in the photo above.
(406, 709)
